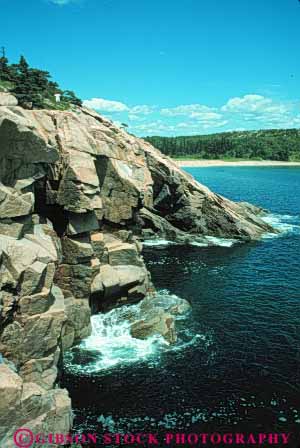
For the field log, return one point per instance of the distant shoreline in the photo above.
(208, 163)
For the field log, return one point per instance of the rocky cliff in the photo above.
(77, 197)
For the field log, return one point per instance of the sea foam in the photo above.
(111, 344)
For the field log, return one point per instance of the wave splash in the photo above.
(205, 241)
(112, 345)
(284, 224)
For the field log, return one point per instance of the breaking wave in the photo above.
(112, 345)
(284, 224)
(206, 241)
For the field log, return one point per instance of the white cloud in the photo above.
(198, 117)
(187, 110)
(254, 104)
(206, 116)
(258, 110)
(248, 112)
(201, 125)
(160, 127)
(154, 127)
(143, 110)
(105, 105)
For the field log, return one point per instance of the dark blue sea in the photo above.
(236, 366)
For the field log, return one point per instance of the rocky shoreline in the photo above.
(78, 196)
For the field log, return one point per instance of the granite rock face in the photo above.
(7, 99)
(26, 404)
(77, 196)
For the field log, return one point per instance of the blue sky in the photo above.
(167, 67)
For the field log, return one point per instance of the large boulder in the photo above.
(13, 204)
(157, 322)
(7, 99)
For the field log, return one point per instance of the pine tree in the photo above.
(70, 97)
(23, 89)
(33, 87)
(7, 73)
(4, 69)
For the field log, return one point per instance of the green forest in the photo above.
(33, 88)
(273, 144)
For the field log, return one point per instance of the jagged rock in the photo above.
(79, 189)
(131, 275)
(37, 303)
(15, 228)
(7, 99)
(76, 251)
(12, 204)
(131, 175)
(97, 240)
(32, 281)
(46, 238)
(154, 225)
(7, 305)
(30, 254)
(75, 279)
(10, 389)
(103, 189)
(23, 148)
(97, 284)
(82, 223)
(78, 323)
(110, 280)
(113, 279)
(26, 404)
(123, 254)
(170, 304)
(34, 336)
(156, 322)
(41, 371)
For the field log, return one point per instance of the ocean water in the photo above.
(236, 366)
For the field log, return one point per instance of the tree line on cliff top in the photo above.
(33, 87)
(272, 144)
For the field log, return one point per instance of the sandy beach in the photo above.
(208, 163)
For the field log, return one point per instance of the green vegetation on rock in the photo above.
(33, 87)
(273, 144)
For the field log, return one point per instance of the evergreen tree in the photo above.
(70, 97)
(24, 90)
(272, 144)
(4, 69)
(34, 87)
(7, 72)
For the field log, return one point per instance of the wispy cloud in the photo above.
(105, 105)
(250, 111)
(185, 110)
(262, 110)
(254, 104)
